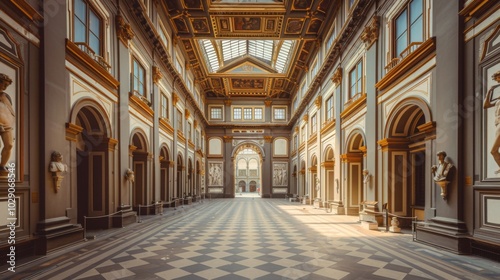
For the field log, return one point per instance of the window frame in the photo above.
(213, 108)
(135, 60)
(329, 111)
(180, 126)
(359, 80)
(314, 125)
(406, 8)
(102, 37)
(165, 112)
(275, 110)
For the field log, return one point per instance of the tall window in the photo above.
(87, 26)
(356, 79)
(303, 134)
(329, 109)
(295, 142)
(164, 106)
(409, 26)
(216, 113)
(139, 78)
(189, 131)
(179, 121)
(163, 36)
(330, 40)
(257, 113)
(178, 66)
(197, 139)
(313, 124)
(247, 113)
(237, 113)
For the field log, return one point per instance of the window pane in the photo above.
(401, 44)
(415, 10)
(80, 9)
(401, 24)
(247, 113)
(79, 31)
(237, 113)
(94, 23)
(258, 113)
(353, 79)
(416, 31)
(94, 44)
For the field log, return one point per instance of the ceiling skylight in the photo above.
(262, 50)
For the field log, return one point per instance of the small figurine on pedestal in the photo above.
(57, 167)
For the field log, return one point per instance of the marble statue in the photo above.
(7, 121)
(489, 102)
(441, 170)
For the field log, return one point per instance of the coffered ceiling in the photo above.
(242, 48)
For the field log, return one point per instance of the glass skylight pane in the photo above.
(210, 55)
(233, 48)
(282, 60)
(262, 49)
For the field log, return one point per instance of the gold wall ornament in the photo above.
(337, 77)
(268, 103)
(57, 168)
(227, 139)
(370, 33)
(305, 118)
(157, 75)
(187, 114)
(318, 101)
(123, 30)
(268, 139)
(175, 98)
(195, 124)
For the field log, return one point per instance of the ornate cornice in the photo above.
(112, 142)
(123, 30)
(370, 33)
(72, 131)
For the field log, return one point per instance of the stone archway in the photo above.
(165, 186)
(406, 150)
(354, 165)
(92, 153)
(142, 194)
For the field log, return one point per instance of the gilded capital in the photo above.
(268, 103)
(337, 76)
(175, 98)
(318, 101)
(123, 30)
(306, 118)
(370, 33)
(157, 75)
(227, 102)
(268, 139)
(227, 139)
(187, 114)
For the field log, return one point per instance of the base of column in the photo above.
(57, 232)
(450, 234)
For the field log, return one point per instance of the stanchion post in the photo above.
(139, 221)
(85, 228)
(386, 220)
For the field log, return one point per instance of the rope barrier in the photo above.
(94, 217)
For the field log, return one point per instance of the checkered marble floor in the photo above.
(253, 238)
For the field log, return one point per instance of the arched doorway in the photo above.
(406, 170)
(198, 178)
(328, 165)
(190, 178)
(247, 166)
(354, 166)
(253, 186)
(165, 193)
(302, 180)
(242, 186)
(92, 167)
(314, 183)
(140, 193)
(180, 192)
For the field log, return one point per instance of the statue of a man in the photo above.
(7, 121)
(56, 164)
(441, 170)
(489, 102)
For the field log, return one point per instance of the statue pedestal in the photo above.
(443, 185)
